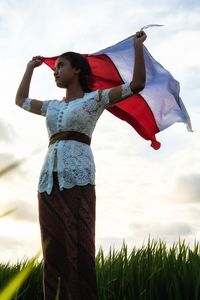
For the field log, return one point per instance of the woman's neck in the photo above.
(74, 92)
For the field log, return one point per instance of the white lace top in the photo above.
(73, 160)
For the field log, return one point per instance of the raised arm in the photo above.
(139, 74)
(137, 83)
(23, 89)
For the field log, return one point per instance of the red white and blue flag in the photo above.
(150, 111)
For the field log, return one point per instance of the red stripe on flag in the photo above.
(135, 111)
(50, 61)
(104, 73)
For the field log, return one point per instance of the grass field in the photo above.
(152, 272)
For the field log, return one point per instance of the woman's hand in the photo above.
(140, 37)
(35, 62)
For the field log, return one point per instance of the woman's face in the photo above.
(64, 73)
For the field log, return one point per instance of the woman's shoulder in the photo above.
(91, 93)
(56, 101)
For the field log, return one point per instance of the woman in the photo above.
(66, 189)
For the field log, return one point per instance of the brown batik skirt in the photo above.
(67, 221)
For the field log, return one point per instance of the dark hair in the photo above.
(78, 61)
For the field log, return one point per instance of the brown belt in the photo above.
(70, 135)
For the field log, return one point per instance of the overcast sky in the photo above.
(140, 191)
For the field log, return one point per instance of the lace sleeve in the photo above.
(44, 107)
(104, 97)
(124, 92)
(27, 104)
(36, 106)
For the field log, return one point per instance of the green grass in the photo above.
(152, 272)
(19, 281)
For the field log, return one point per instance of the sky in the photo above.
(140, 192)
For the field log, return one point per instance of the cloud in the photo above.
(160, 229)
(8, 138)
(7, 132)
(192, 76)
(25, 211)
(187, 188)
(8, 241)
(15, 247)
(187, 5)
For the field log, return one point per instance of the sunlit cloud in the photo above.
(188, 188)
